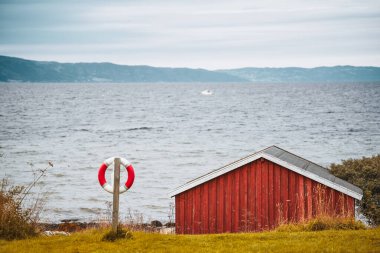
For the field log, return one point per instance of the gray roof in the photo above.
(287, 160)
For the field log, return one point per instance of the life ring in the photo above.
(102, 175)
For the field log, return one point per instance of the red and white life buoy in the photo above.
(102, 175)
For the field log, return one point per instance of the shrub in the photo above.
(19, 211)
(364, 173)
(14, 222)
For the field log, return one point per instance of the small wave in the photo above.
(25, 152)
(154, 207)
(355, 130)
(92, 199)
(61, 211)
(90, 210)
(139, 128)
(82, 130)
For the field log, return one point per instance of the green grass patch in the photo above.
(317, 241)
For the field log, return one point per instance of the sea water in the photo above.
(171, 133)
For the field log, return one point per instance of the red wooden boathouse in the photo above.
(260, 191)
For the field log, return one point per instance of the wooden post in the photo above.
(116, 185)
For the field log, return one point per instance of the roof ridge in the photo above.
(299, 157)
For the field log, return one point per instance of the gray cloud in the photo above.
(210, 34)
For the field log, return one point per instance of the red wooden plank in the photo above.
(228, 203)
(235, 201)
(246, 189)
(220, 205)
(250, 198)
(243, 198)
(277, 193)
(249, 202)
(223, 202)
(264, 194)
(351, 206)
(322, 199)
(284, 194)
(185, 212)
(343, 207)
(177, 215)
(315, 198)
(338, 203)
(254, 195)
(333, 202)
(179, 224)
(181, 213)
(292, 196)
(204, 208)
(258, 196)
(328, 202)
(192, 191)
(306, 209)
(197, 209)
(341, 203)
(212, 206)
(184, 223)
(188, 212)
(309, 196)
(300, 201)
(346, 205)
(296, 198)
(271, 205)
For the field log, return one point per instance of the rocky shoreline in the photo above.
(75, 225)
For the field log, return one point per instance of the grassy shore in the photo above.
(91, 241)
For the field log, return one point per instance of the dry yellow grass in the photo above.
(91, 241)
(323, 223)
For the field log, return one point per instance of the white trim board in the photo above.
(253, 157)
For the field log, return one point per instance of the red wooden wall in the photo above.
(255, 197)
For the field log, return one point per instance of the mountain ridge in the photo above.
(22, 70)
(342, 73)
(13, 69)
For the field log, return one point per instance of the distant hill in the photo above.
(20, 70)
(319, 74)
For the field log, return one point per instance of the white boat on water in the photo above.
(207, 92)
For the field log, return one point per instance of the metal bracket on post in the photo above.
(116, 185)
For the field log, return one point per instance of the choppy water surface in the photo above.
(171, 133)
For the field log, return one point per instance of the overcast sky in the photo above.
(205, 34)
